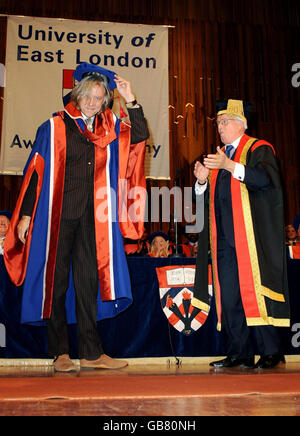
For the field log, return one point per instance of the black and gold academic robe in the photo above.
(258, 224)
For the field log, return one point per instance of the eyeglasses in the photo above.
(223, 122)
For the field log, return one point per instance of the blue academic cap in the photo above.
(153, 235)
(84, 69)
(6, 213)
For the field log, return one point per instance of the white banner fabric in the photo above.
(41, 54)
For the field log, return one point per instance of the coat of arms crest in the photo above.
(176, 288)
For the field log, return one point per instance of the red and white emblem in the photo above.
(176, 289)
(67, 83)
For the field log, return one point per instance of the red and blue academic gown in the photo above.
(258, 224)
(33, 264)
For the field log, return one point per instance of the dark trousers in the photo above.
(76, 247)
(240, 340)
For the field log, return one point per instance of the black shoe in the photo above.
(231, 362)
(268, 362)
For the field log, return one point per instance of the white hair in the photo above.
(237, 118)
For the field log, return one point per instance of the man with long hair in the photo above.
(66, 218)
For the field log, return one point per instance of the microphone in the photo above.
(176, 179)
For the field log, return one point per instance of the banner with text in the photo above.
(41, 55)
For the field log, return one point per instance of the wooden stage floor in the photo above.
(149, 388)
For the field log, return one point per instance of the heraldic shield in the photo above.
(176, 289)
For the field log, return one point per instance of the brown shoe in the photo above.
(63, 363)
(103, 362)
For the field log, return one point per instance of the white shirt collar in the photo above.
(85, 117)
(236, 142)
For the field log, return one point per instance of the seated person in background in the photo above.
(5, 216)
(172, 243)
(137, 247)
(290, 235)
(296, 224)
(130, 246)
(292, 241)
(159, 245)
(190, 248)
(143, 245)
(194, 251)
(171, 237)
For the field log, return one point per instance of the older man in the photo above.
(247, 241)
(69, 221)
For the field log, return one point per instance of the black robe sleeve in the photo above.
(139, 127)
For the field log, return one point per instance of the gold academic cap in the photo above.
(238, 108)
